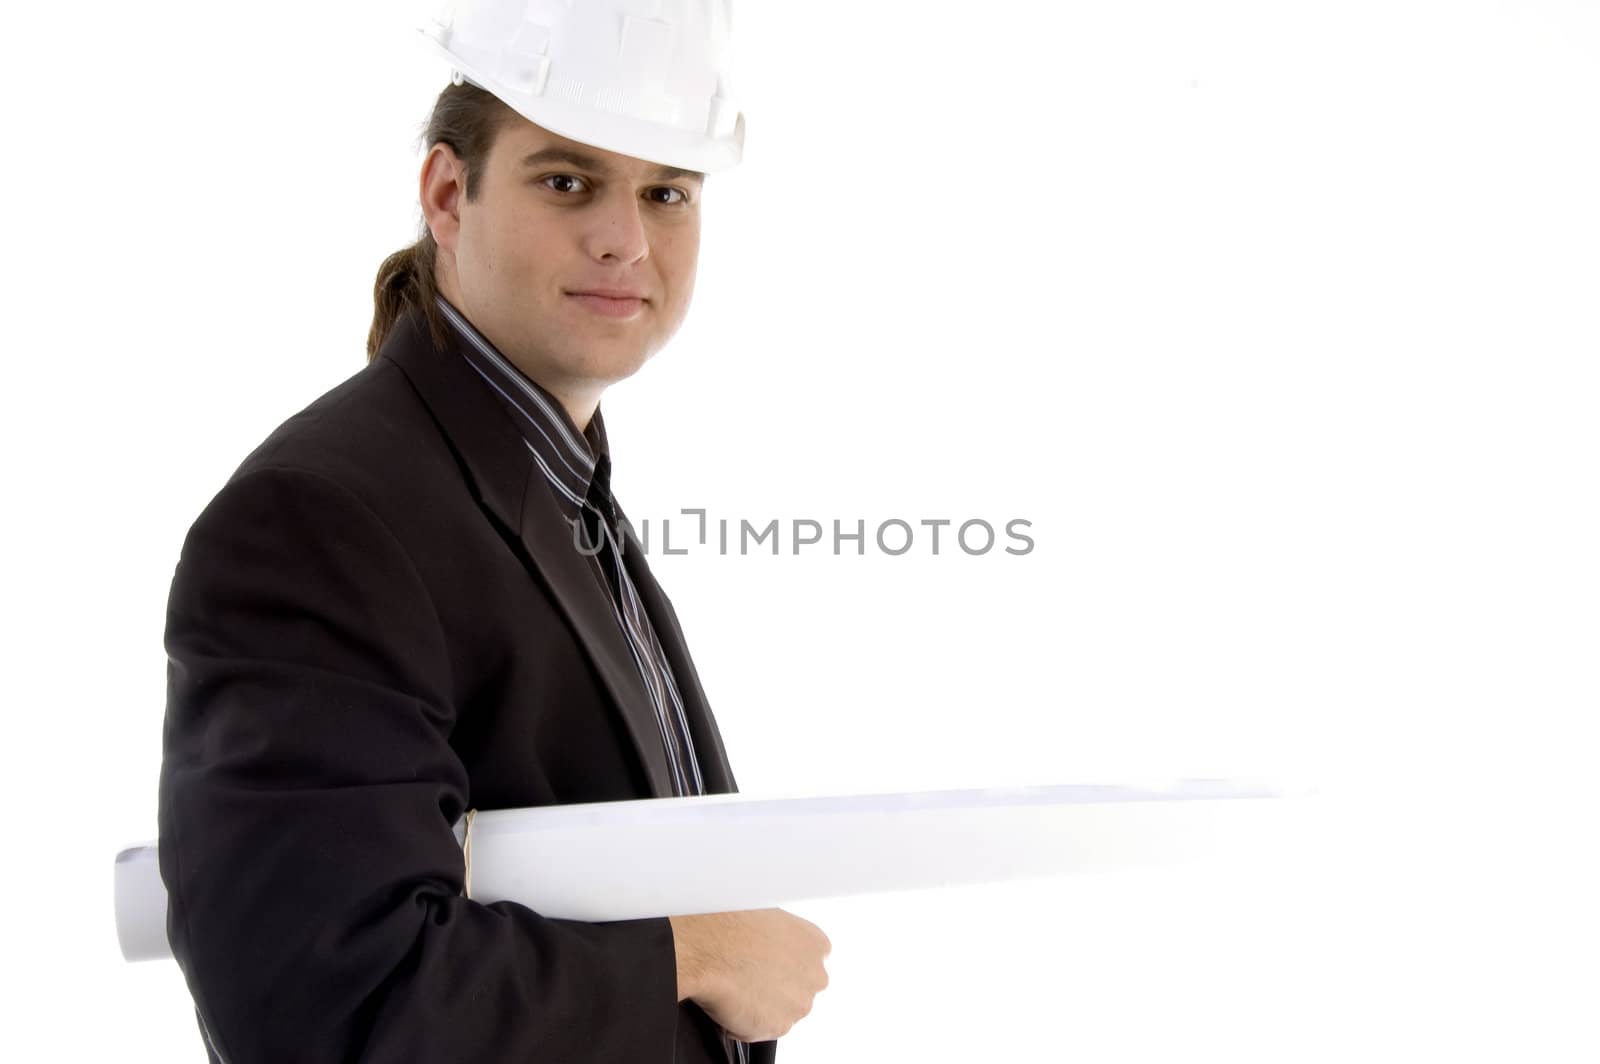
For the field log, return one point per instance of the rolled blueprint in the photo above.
(725, 852)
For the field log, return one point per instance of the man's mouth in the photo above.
(610, 302)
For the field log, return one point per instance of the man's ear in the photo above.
(442, 186)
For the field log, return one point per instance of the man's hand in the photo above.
(754, 972)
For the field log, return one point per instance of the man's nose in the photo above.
(616, 230)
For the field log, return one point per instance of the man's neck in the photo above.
(580, 410)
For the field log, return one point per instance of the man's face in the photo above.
(557, 231)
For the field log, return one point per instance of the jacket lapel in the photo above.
(508, 484)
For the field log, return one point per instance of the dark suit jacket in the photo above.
(378, 622)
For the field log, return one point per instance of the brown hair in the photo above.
(466, 119)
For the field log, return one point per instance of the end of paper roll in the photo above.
(141, 902)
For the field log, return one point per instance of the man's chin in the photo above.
(606, 367)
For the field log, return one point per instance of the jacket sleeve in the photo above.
(306, 799)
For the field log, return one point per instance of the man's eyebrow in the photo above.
(594, 165)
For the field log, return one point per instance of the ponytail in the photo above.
(405, 279)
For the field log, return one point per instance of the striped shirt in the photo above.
(577, 468)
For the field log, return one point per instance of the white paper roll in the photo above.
(726, 852)
(141, 905)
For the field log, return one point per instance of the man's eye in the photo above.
(682, 197)
(568, 182)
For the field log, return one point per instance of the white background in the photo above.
(1277, 320)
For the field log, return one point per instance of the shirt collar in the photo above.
(575, 463)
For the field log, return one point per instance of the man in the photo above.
(418, 596)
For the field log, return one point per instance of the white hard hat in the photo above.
(646, 78)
